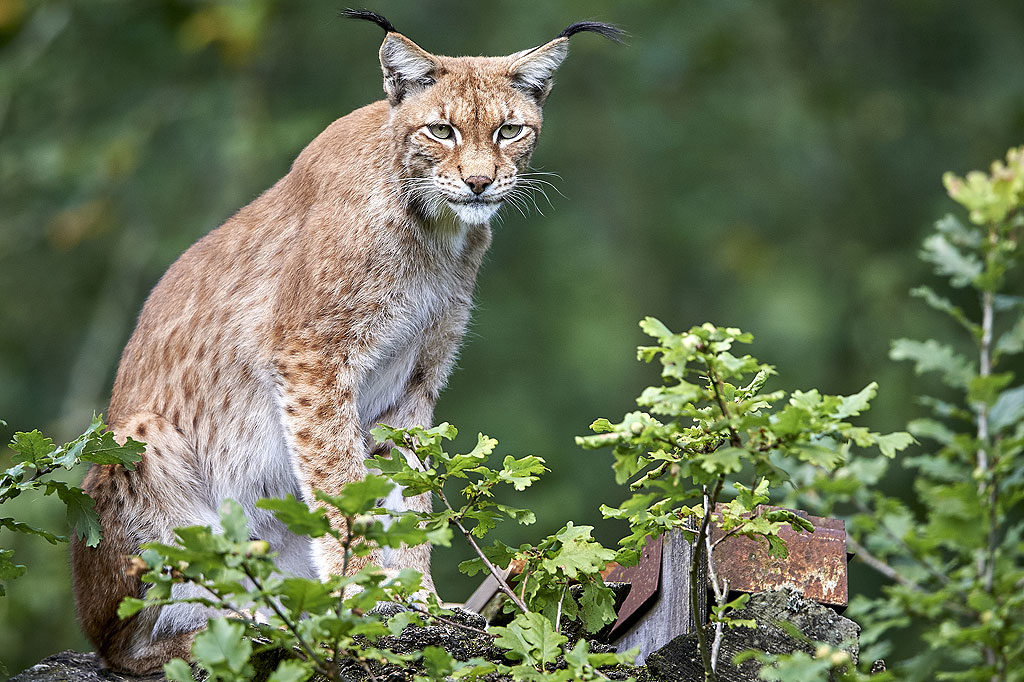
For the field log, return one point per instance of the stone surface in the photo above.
(680, 660)
(677, 661)
(73, 665)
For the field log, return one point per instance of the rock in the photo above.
(76, 666)
(680, 661)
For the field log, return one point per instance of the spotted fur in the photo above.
(334, 301)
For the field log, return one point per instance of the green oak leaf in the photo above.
(299, 518)
(223, 645)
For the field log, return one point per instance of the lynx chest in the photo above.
(429, 313)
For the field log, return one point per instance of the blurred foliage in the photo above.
(767, 164)
(953, 552)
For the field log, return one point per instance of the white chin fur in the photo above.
(475, 213)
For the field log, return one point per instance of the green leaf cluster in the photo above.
(716, 422)
(330, 624)
(420, 464)
(321, 623)
(712, 422)
(34, 461)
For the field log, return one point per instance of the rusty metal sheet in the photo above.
(644, 581)
(816, 564)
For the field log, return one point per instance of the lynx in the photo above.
(334, 301)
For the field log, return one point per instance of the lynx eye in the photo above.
(509, 131)
(441, 131)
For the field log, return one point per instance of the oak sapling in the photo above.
(719, 426)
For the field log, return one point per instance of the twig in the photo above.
(698, 547)
(870, 559)
(720, 597)
(734, 437)
(986, 485)
(888, 571)
(317, 661)
(254, 624)
(446, 620)
(224, 604)
(935, 573)
(706, 654)
(984, 370)
(716, 646)
(366, 666)
(558, 613)
(480, 553)
(336, 647)
(885, 569)
(728, 535)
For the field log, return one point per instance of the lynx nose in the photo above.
(478, 183)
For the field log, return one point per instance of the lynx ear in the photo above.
(532, 70)
(407, 67)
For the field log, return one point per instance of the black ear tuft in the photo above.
(367, 15)
(609, 31)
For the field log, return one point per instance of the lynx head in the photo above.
(465, 127)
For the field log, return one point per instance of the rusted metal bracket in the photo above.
(816, 564)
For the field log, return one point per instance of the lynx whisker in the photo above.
(538, 185)
(531, 172)
(515, 201)
(522, 201)
(531, 187)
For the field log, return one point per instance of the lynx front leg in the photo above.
(415, 407)
(318, 402)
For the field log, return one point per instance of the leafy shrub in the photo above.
(35, 460)
(954, 555)
(719, 426)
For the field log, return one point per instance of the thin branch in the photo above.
(985, 365)
(480, 553)
(885, 569)
(986, 485)
(345, 545)
(695, 562)
(728, 535)
(366, 666)
(813, 497)
(935, 573)
(716, 646)
(256, 625)
(228, 606)
(734, 437)
(888, 571)
(558, 613)
(447, 621)
(720, 596)
(703, 534)
(317, 661)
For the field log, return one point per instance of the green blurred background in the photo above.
(771, 165)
